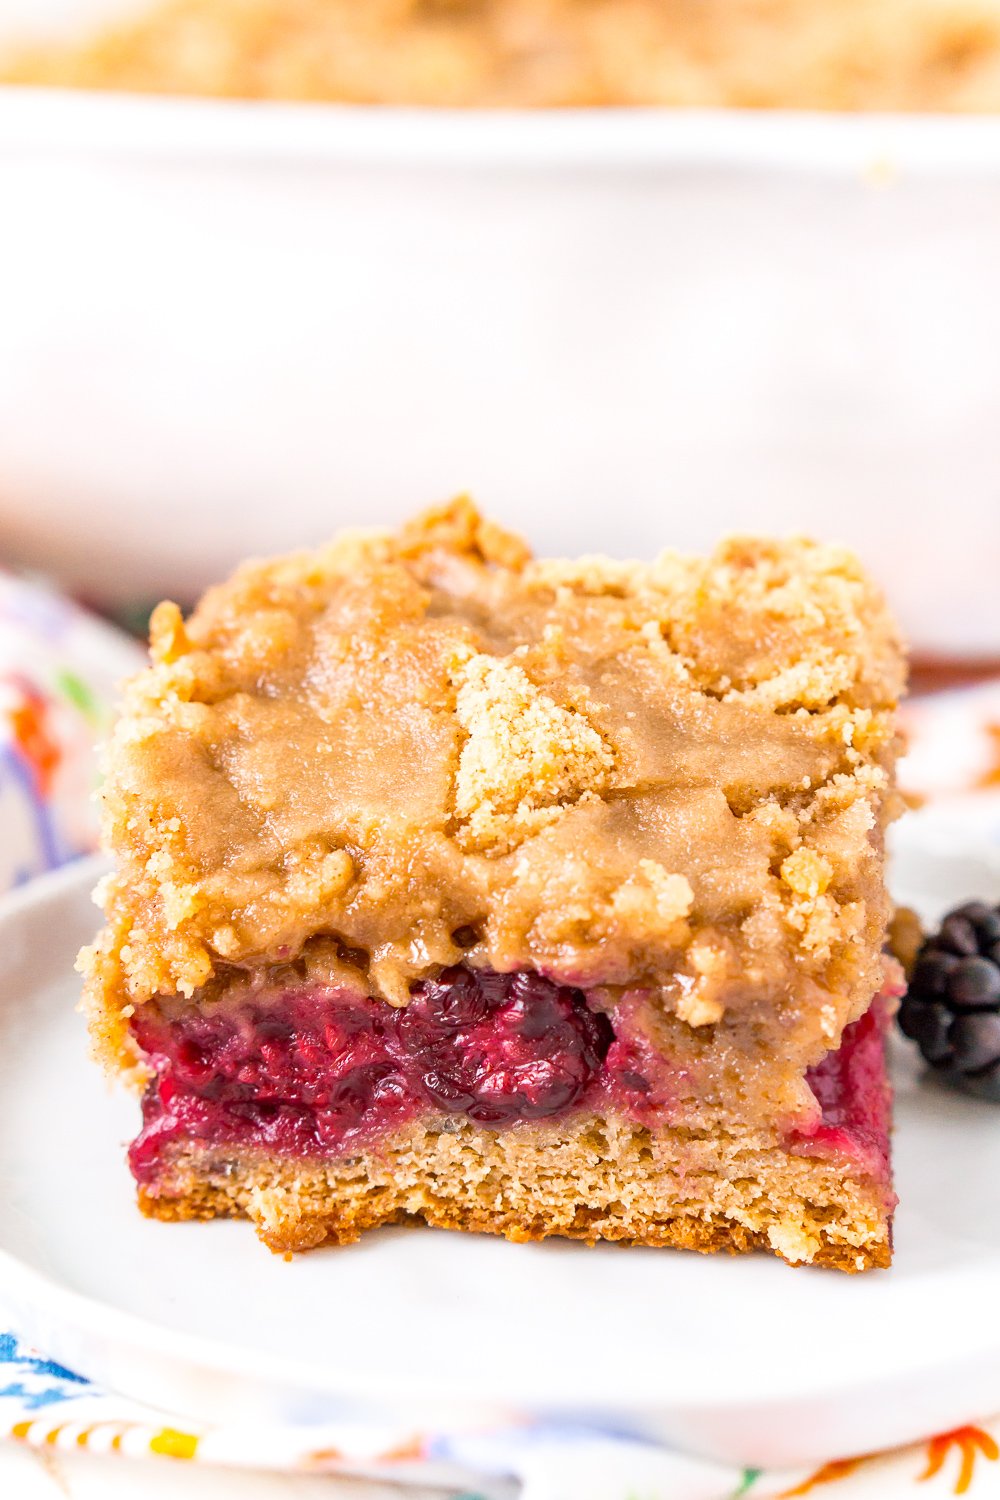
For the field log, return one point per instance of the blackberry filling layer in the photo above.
(852, 1089)
(319, 1072)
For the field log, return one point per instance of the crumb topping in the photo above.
(525, 758)
(811, 54)
(429, 748)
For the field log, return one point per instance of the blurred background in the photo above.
(633, 272)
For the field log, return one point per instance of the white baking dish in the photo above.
(227, 328)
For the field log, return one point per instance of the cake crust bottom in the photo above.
(589, 1179)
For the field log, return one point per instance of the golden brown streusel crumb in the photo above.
(812, 54)
(905, 937)
(524, 757)
(670, 776)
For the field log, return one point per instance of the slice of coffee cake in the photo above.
(525, 896)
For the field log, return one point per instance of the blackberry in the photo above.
(952, 1007)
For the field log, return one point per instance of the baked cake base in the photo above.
(587, 1179)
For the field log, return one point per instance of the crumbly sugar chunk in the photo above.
(524, 757)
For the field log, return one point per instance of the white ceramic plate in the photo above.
(739, 1359)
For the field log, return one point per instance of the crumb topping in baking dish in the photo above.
(807, 54)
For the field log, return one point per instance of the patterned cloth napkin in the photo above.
(58, 669)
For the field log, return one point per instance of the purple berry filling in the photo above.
(852, 1089)
(321, 1072)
